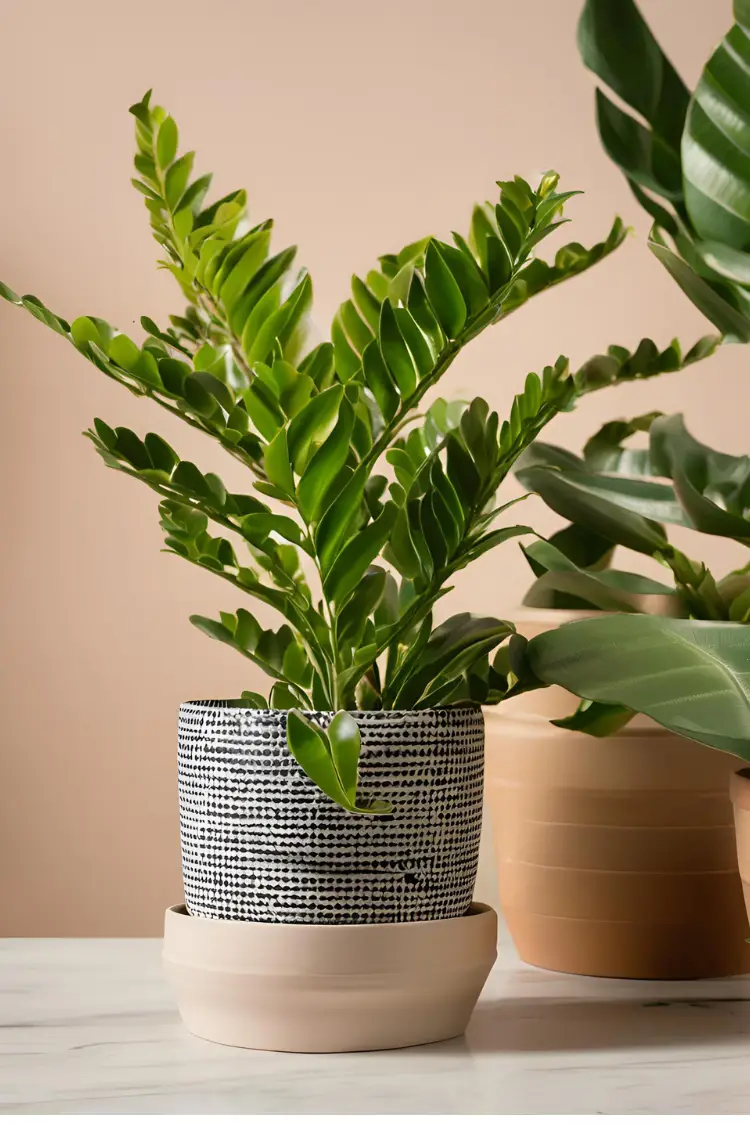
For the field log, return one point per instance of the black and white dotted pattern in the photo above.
(261, 843)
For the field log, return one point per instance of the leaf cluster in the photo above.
(684, 154)
(614, 495)
(362, 501)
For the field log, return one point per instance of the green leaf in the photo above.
(582, 546)
(339, 516)
(702, 477)
(454, 645)
(379, 381)
(255, 700)
(263, 409)
(280, 324)
(598, 719)
(283, 697)
(367, 303)
(494, 538)
(344, 737)
(468, 277)
(8, 295)
(444, 293)
(395, 352)
(576, 503)
(325, 465)
(734, 325)
(176, 179)
(259, 525)
(692, 677)
(311, 749)
(233, 280)
(166, 143)
(351, 564)
(617, 44)
(610, 590)
(276, 462)
(715, 152)
(213, 629)
(84, 331)
(641, 155)
(313, 425)
(162, 455)
(351, 622)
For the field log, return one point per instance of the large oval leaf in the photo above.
(692, 677)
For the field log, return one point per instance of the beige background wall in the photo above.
(359, 127)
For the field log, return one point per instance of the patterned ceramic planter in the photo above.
(260, 842)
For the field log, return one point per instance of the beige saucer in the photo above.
(279, 987)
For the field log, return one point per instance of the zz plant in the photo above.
(363, 504)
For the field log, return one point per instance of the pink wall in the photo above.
(359, 127)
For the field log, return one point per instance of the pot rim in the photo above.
(476, 910)
(560, 616)
(739, 788)
(493, 715)
(241, 705)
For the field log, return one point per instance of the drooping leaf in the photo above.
(692, 677)
(344, 737)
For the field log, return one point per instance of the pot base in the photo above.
(628, 950)
(278, 987)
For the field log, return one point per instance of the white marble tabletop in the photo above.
(89, 1026)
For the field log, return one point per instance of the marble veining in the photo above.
(89, 1026)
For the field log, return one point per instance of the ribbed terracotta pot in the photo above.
(328, 988)
(740, 794)
(261, 843)
(616, 857)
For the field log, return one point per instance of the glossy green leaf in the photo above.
(310, 748)
(577, 504)
(353, 561)
(277, 463)
(715, 151)
(395, 353)
(166, 142)
(313, 425)
(325, 465)
(692, 677)
(444, 293)
(344, 737)
(617, 44)
(713, 489)
(733, 324)
(598, 719)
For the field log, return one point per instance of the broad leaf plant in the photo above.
(385, 497)
(687, 664)
(686, 155)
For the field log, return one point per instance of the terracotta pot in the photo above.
(740, 794)
(615, 857)
(328, 988)
(261, 843)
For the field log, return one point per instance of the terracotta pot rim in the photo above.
(739, 788)
(179, 909)
(241, 705)
(493, 714)
(560, 616)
